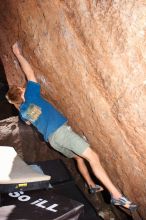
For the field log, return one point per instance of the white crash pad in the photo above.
(14, 170)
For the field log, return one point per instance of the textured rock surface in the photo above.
(90, 57)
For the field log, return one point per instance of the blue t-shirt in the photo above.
(40, 112)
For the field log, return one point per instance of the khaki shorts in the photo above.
(67, 142)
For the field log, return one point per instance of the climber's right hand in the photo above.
(16, 49)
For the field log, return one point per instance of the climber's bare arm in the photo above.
(24, 63)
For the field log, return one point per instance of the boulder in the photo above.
(90, 58)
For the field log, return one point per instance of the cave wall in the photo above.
(90, 58)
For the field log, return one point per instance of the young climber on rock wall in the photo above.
(34, 109)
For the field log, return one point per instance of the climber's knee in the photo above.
(90, 155)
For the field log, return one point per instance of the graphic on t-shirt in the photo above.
(33, 112)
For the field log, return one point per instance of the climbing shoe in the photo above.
(124, 202)
(95, 189)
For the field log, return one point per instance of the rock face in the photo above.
(90, 58)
